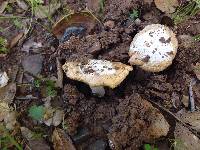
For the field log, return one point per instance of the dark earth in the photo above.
(124, 114)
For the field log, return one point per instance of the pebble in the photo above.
(98, 145)
(98, 91)
(33, 64)
(138, 21)
(83, 134)
(3, 79)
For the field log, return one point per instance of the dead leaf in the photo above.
(57, 118)
(4, 109)
(26, 133)
(31, 45)
(3, 6)
(184, 139)
(22, 4)
(10, 120)
(61, 141)
(191, 118)
(53, 117)
(8, 92)
(33, 143)
(59, 81)
(167, 6)
(45, 11)
(82, 19)
(196, 69)
(37, 144)
(15, 40)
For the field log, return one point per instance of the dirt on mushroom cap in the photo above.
(153, 48)
(97, 72)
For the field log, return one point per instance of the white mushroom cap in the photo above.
(153, 48)
(97, 73)
(3, 79)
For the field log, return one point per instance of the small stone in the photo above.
(37, 144)
(82, 135)
(8, 92)
(128, 30)
(33, 64)
(185, 100)
(110, 24)
(159, 126)
(98, 91)
(138, 21)
(3, 79)
(98, 145)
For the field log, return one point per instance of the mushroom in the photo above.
(97, 73)
(154, 48)
(3, 79)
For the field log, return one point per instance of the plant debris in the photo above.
(168, 6)
(99, 74)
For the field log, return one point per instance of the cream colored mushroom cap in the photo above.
(97, 72)
(153, 48)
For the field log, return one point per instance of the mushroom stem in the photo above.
(98, 91)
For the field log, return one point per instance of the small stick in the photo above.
(191, 95)
(175, 117)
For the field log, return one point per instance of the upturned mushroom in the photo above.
(97, 73)
(154, 48)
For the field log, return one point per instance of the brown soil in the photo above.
(122, 115)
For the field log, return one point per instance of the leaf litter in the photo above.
(103, 116)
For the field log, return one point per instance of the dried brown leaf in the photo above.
(167, 6)
(61, 141)
(191, 118)
(197, 70)
(22, 4)
(185, 140)
(3, 6)
(46, 11)
(16, 39)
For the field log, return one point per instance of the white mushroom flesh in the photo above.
(154, 48)
(101, 67)
(97, 73)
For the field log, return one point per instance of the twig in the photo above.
(175, 117)
(59, 81)
(191, 97)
